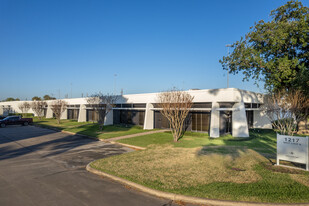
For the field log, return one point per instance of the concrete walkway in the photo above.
(135, 135)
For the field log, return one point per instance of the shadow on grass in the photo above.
(263, 141)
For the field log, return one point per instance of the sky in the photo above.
(79, 47)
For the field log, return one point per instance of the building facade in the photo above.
(214, 111)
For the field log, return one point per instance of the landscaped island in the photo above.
(224, 168)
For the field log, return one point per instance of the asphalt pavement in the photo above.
(42, 167)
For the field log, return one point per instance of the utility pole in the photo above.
(228, 54)
(115, 75)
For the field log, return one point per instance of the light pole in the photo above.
(228, 54)
(115, 75)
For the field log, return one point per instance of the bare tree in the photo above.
(39, 107)
(175, 107)
(286, 109)
(102, 104)
(58, 107)
(24, 107)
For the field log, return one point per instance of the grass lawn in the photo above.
(109, 131)
(260, 140)
(225, 168)
(90, 129)
(51, 122)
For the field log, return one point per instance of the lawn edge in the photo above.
(183, 198)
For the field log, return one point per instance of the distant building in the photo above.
(214, 111)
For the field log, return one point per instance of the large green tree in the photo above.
(276, 52)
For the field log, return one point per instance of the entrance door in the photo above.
(225, 122)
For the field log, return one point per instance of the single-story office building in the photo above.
(214, 111)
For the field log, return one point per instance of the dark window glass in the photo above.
(141, 117)
(249, 115)
(73, 114)
(126, 105)
(139, 105)
(202, 105)
(254, 105)
(199, 122)
(92, 115)
(194, 127)
(247, 105)
(205, 122)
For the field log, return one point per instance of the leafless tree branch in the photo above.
(175, 107)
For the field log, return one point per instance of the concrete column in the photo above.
(149, 117)
(64, 114)
(215, 120)
(239, 121)
(109, 118)
(49, 112)
(82, 115)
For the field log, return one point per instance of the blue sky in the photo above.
(47, 46)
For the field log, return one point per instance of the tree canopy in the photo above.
(11, 99)
(276, 52)
(36, 98)
(47, 97)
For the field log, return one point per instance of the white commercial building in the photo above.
(215, 111)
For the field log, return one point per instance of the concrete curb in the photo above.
(183, 198)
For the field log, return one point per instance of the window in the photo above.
(92, 115)
(200, 121)
(202, 105)
(73, 114)
(249, 115)
(139, 105)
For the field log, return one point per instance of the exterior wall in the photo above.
(64, 115)
(109, 118)
(49, 112)
(149, 117)
(82, 116)
(215, 120)
(239, 121)
(260, 120)
(216, 96)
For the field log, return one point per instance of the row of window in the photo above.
(140, 105)
(133, 117)
(200, 105)
(195, 121)
(252, 105)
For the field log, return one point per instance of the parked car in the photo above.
(13, 120)
(2, 117)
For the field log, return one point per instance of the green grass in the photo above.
(273, 188)
(211, 174)
(51, 122)
(261, 140)
(90, 129)
(109, 131)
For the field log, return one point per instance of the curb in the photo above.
(183, 198)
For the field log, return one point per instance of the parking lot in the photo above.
(43, 167)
